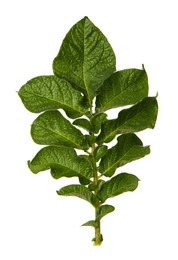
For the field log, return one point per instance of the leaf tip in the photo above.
(58, 192)
(85, 19)
(30, 166)
(29, 163)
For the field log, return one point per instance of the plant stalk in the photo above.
(98, 237)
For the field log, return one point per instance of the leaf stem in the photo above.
(98, 237)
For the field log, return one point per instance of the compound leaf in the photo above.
(84, 73)
(85, 58)
(49, 92)
(78, 191)
(117, 185)
(52, 128)
(128, 148)
(63, 161)
(134, 119)
(125, 87)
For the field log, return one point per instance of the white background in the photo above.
(37, 224)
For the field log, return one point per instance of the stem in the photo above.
(98, 237)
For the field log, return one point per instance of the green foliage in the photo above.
(50, 128)
(49, 92)
(128, 148)
(84, 86)
(125, 87)
(85, 58)
(79, 191)
(83, 123)
(104, 210)
(117, 185)
(63, 161)
(134, 119)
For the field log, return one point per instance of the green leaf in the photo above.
(63, 161)
(134, 119)
(85, 58)
(52, 128)
(84, 123)
(90, 223)
(100, 152)
(125, 87)
(90, 140)
(97, 120)
(117, 185)
(100, 184)
(128, 148)
(78, 191)
(84, 181)
(104, 210)
(49, 92)
(92, 186)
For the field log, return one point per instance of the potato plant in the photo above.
(85, 85)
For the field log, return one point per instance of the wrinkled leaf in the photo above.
(84, 123)
(85, 58)
(125, 87)
(100, 152)
(104, 210)
(63, 161)
(134, 119)
(117, 185)
(97, 120)
(78, 191)
(49, 92)
(52, 128)
(128, 148)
